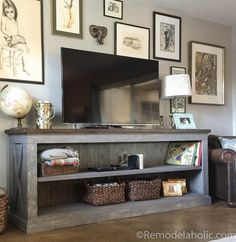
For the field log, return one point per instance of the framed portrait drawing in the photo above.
(67, 18)
(177, 104)
(166, 37)
(184, 121)
(207, 73)
(113, 8)
(21, 42)
(131, 40)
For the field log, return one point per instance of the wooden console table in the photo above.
(45, 203)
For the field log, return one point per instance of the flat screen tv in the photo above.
(107, 89)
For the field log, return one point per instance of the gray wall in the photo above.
(137, 12)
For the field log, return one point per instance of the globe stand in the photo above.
(19, 124)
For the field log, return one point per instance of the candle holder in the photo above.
(171, 122)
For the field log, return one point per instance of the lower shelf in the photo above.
(80, 213)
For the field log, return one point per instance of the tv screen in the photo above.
(108, 89)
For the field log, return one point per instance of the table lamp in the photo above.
(175, 86)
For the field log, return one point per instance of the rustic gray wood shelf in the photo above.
(85, 175)
(31, 213)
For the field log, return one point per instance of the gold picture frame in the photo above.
(172, 188)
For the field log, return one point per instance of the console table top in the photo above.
(26, 131)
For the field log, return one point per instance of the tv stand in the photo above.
(46, 203)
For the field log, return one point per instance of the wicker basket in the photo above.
(104, 194)
(3, 210)
(143, 189)
(45, 170)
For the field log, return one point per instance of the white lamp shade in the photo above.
(176, 86)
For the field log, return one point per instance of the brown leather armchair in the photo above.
(222, 171)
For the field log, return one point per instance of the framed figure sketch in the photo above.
(167, 37)
(67, 18)
(21, 43)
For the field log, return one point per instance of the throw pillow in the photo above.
(228, 143)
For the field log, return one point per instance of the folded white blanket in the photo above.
(58, 153)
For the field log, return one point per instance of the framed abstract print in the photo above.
(207, 73)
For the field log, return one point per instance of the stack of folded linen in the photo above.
(60, 157)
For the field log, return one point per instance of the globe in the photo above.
(15, 102)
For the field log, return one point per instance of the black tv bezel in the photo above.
(106, 124)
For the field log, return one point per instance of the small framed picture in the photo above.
(182, 182)
(131, 40)
(184, 121)
(172, 188)
(177, 104)
(67, 18)
(207, 73)
(167, 37)
(177, 70)
(113, 8)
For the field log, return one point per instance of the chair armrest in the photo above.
(222, 155)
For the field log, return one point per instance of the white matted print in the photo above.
(21, 47)
(131, 40)
(207, 73)
(113, 8)
(67, 18)
(167, 37)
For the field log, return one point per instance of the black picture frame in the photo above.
(113, 9)
(178, 104)
(177, 70)
(166, 37)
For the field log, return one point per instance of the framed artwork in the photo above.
(177, 70)
(67, 18)
(131, 40)
(172, 188)
(113, 8)
(177, 104)
(184, 121)
(207, 73)
(166, 37)
(21, 44)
